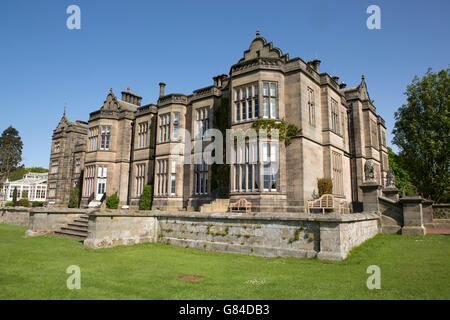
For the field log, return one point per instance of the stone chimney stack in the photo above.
(162, 85)
(218, 80)
(316, 65)
(129, 97)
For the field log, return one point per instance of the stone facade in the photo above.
(125, 146)
(67, 159)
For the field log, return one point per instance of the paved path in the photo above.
(438, 231)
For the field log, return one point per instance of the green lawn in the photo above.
(35, 268)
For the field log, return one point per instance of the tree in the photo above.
(10, 151)
(421, 132)
(15, 196)
(402, 178)
(147, 195)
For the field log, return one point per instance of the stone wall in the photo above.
(329, 236)
(337, 238)
(391, 215)
(17, 216)
(441, 211)
(113, 229)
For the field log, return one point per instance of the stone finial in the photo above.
(369, 171)
(257, 33)
(128, 89)
(390, 178)
(110, 90)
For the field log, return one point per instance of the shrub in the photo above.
(112, 202)
(23, 203)
(35, 204)
(74, 200)
(9, 204)
(325, 186)
(147, 198)
(15, 196)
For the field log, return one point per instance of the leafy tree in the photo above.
(10, 151)
(112, 202)
(402, 178)
(421, 132)
(17, 173)
(147, 197)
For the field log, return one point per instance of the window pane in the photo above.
(244, 93)
(256, 108)
(238, 112)
(250, 109)
(273, 90)
(273, 107)
(255, 91)
(236, 181)
(256, 176)
(266, 107)
(250, 176)
(244, 110)
(274, 178)
(266, 176)
(243, 177)
(265, 89)
(249, 92)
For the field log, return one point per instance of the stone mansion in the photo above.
(126, 145)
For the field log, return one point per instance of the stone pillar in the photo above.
(371, 191)
(412, 216)
(391, 192)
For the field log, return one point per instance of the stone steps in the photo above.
(77, 229)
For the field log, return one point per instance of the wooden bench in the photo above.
(241, 205)
(324, 202)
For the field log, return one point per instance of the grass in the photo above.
(35, 268)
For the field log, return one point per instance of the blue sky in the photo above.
(44, 65)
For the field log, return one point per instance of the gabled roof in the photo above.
(360, 91)
(113, 104)
(260, 48)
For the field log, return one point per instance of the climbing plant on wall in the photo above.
(285, 131)
(220, 173)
